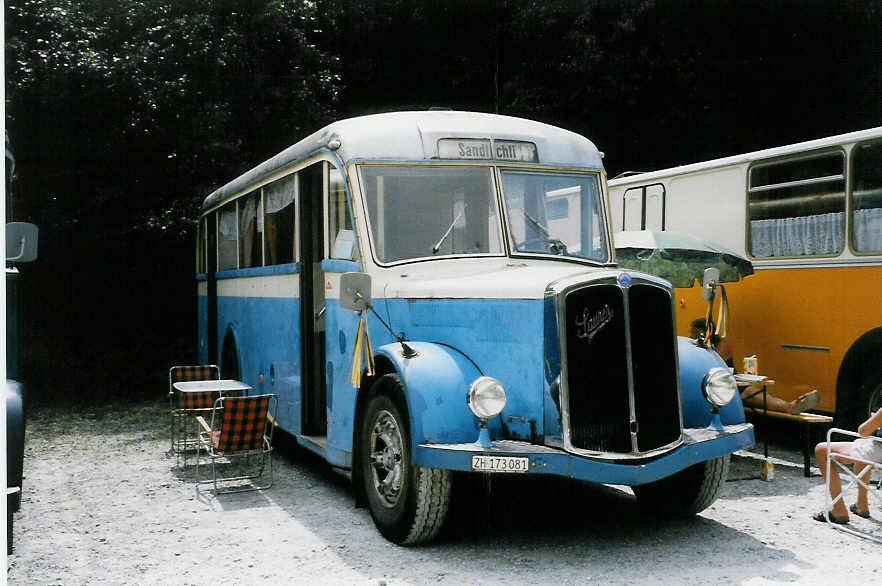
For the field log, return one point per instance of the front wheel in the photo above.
(687, 492)
(407, 502)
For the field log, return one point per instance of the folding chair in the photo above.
(844, 464)
(184, 405)
(241, 427)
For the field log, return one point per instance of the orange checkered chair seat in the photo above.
(182, 404)
(241, 429)
(197, 400)
(190, 373)
(243, 424)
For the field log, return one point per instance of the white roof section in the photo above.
(770, 153)
(413, 136)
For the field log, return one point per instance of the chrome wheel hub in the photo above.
(386, 451)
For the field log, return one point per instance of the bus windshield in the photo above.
(555, 213)
(419, 211)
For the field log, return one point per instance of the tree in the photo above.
(123, 115)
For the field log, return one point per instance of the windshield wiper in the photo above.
(437, 247)
(555, 245)
(536, 223)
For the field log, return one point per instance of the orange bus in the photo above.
(809, 216)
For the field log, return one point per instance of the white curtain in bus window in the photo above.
(867, 198)
(250, 240)
(226, 238)
(339, 220)
(419, 212)
(797, 207)
(278, 220)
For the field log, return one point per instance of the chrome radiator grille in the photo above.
(620, 369)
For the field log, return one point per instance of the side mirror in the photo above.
(21, 242)
(709, 283)
(355, 291)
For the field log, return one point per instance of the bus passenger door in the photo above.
(312, 298)
(341, 325)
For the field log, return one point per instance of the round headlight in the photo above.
(486, 397)
(719, 386)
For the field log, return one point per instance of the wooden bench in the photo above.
(806, 421)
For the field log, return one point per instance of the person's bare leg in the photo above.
(862, 471)
(839, 510)
(752, 398)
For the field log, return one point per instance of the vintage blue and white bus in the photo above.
(430, 292)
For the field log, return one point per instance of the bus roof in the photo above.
(414, 136)
(642, 177)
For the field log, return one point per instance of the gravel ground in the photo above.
(104, 505)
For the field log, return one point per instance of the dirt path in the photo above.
(104, 505)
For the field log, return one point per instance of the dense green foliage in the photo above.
(124, 114)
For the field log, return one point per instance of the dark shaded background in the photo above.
(124, 114)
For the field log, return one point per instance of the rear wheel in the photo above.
(687, 492)
(407, 502)
(859, 383)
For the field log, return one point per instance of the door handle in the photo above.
(320, 313)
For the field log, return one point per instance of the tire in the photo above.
(687, 492)
(408, 503)
(864, 400)
(859, 382)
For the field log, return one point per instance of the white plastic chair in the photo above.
(848, 480)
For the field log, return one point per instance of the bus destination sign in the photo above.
(481, 148)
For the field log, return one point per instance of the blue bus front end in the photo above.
(597, 385)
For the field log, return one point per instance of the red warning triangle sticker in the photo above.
(328, 286)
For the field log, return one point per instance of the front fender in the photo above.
(436, 383)
(695, 361)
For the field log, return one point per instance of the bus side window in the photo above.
(644, 208)
(797, 207)
(633, 209)
(867, 198)
(340, 228)
(250, 237)
(227, 248)
(278, 220)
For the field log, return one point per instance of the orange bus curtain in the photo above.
(363, 354)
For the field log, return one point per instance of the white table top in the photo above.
(223, 385)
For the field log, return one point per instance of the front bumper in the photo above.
(699, 444)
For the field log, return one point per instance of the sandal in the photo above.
(805, 402)
(823, 517)
(853, 508)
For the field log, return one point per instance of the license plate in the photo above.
(500, 464)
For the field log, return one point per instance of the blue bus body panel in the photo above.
(267, 335)
(501, 337)
(455, 346)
